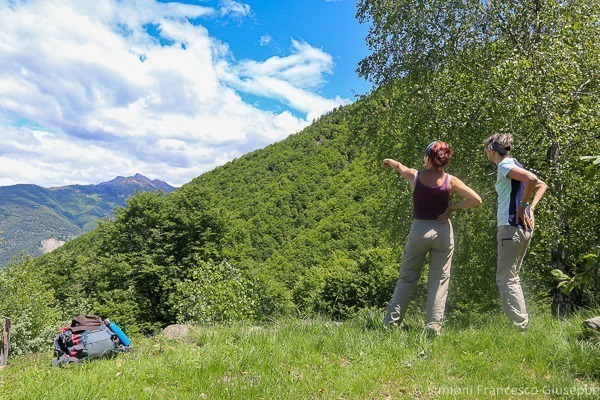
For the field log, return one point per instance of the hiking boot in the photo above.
(431, 333)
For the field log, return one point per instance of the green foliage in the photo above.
(128, 269)
(590, 272)
(342, 286)
(31, 306)
(219, 293)
(152, 245)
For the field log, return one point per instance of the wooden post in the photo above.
(5, 342)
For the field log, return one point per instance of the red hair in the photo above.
(440, 153)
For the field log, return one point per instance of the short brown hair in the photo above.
(440, 153)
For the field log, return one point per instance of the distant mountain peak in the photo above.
(37, 220)
(139, 180)
(142, 178)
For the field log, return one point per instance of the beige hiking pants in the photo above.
(438, 240)
(512, 246)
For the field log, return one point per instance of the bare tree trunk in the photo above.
(5, 344)
(562, 304)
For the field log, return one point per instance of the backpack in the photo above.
(87, 338)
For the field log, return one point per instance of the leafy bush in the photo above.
(219, 293)
(31, 306)
(343, 286)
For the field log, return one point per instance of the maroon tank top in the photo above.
(430, 202)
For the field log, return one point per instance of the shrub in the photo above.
(219, 293)
(342, 286)
(31, 306)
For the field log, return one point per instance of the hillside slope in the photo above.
(302, 199)
(297, 219)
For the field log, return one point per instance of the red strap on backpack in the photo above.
(75, 339)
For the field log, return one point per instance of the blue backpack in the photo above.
(87, 338)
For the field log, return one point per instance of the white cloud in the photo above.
(304, 68)
(265, 40)
(86, 93)
(234, 9)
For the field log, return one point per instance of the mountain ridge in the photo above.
(35, 220)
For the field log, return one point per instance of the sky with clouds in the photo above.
(90, 90)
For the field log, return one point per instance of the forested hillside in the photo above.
(314, 224)
(273, 231)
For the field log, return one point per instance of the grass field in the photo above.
(479, 358)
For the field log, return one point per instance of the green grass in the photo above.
(319, 359)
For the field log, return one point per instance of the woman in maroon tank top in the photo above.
(430, 233)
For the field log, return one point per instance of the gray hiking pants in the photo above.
(512, 246)
(438, 240)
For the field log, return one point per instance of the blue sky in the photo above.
(92, 90)
(328, 25)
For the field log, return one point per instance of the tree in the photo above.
(463, 70)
